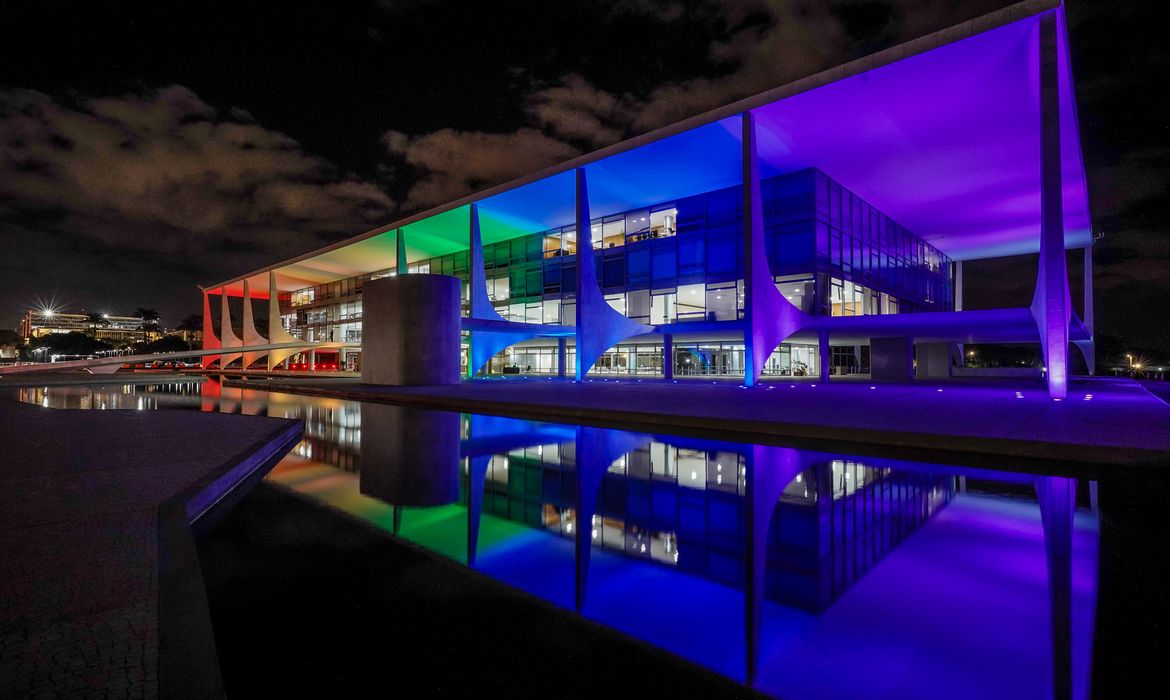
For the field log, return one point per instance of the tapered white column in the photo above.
(277, 335)
(484, 344)
(251, 337)
(1051, 305)
(400, 252)
(210, 339)
(599, 326)
(1089, 348)
(769, 317)
(227, 336)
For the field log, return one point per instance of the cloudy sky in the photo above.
(144, 151)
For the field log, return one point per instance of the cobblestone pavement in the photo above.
(79, 499)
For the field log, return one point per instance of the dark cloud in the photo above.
(453, 163)
(769, 43)
(156, 180)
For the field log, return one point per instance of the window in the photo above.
(721, 302)
(552, 311)
(613, 234)
(663, 223)
(498, 289)
(662, 309)
(691, 302)
(552, 244)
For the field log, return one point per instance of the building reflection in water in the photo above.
(837, 553)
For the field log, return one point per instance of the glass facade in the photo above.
(831, 254)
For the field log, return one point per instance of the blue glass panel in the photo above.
(569, 277)
(552, 278)
(690, 255)
(613, 271)
(664, 264)
(721, 255)
(638, 265)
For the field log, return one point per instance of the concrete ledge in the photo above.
(188, 662)
(1126, 428)
(101, 592)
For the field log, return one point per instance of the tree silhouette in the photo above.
(194, 322)
(149, 319)
(94, 320)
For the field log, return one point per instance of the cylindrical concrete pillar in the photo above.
(410, 456)
(410, 330)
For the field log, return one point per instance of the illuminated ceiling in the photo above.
(946, 142)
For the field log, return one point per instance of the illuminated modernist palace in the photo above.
(818, 228)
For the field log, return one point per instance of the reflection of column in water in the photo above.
(596, 450)
(769, 469)
(1057, 497)
(209, 393)
(410, 456)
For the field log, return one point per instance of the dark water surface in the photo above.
(818, 574)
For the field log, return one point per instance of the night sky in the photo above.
(146, 151)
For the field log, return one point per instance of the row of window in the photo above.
(715, 359)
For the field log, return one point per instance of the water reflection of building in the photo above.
(684, 508)
(333, 430)
(179, 394)
(678, 506)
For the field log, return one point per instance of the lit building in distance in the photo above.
(819, 228)
(115, 330)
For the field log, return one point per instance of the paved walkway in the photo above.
(86, 501)
(1103, 420)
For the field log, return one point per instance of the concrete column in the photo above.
(227, 336)
(410, 330)
(1089, 314)
(825, 354)
(668, 356)
(210, 339)
(400, 252)
(958, 266)
(769, 317)
(562, 350)
(958, 285)
(934, 360)
(1050, 305)
(598, 325)
(251, 336)
(891, 358)
(276, 332)
(481, 305)
(1090, 347)
(313, 360)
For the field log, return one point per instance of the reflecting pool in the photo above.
(809, 573)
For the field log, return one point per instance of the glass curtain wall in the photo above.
(682, 261)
